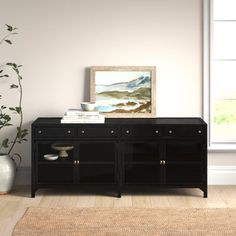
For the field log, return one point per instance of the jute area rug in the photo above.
(126, 221)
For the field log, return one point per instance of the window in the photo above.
(222, 72)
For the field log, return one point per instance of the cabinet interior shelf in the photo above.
(55, 162)
(142, 162)
(96, 163)
(183, 163)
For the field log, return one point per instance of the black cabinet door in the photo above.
(96, 173)
(183, 174)
(141, 162)
(141, 174)
(59, 171)
(55, 174)
(97, 162)
(183, 160)
(183, 150)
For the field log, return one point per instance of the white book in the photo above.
(75, 117)
(80, 112)
(83, 121)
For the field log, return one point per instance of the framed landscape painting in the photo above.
(124, 91)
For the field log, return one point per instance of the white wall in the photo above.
(60, 39)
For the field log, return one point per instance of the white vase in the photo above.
(7, 173)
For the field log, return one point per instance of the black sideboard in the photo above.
(122, 152)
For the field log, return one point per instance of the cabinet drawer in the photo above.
(54, 132)
(141, 132)
(98, 132)
(185, 131)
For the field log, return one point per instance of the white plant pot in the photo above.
(7, 173)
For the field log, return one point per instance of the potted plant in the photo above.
(7, 158)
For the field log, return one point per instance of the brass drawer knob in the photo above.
(170, 131)
(161, 162)
(112, 132)
(156, 131)
(82, 131)
(127, 131)
(199, 131)
(39, 132)
(68, 132)
(164, 162)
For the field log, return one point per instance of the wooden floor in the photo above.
(13, 206)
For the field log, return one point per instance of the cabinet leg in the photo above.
(204, 189)
(118, 192)
(33, 192)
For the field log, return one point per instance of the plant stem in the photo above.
(21, 114)
(4, 38)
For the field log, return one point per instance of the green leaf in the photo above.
(12, 109)
(6, 117)
(18, 109)
(1, 71)
(8, 41)
(3, 107)
(9, 28)
(23, 135)
(12, 86)
(7, 124)
(1, 76)
(12, 64)
(5, 143)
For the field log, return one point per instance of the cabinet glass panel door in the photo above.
(141, 152)
(58, 171)
(141, 164)
(95, 173)
(97, 152)
(97, 162)
(142, 174)
(55, 173)
(187, 151)
(183, 174)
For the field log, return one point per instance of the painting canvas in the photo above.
(124, 91)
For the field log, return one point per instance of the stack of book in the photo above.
(79, 116)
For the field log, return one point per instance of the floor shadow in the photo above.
(25, 191)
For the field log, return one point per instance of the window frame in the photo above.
(207, 68)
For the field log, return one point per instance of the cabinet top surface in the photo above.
(126, 121)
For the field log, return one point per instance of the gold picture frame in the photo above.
(124, 91)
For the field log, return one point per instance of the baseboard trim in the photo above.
(222, 175)
(23, 176)
(217, 175)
